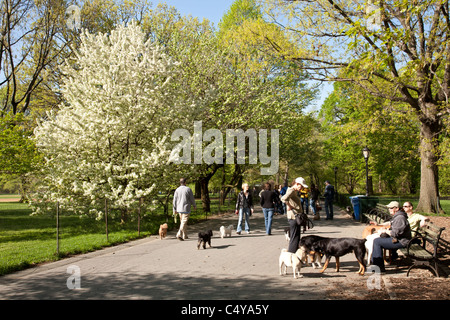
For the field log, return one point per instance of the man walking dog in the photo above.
(182, 201)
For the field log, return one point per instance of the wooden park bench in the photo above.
(379, 214)
(425, 248)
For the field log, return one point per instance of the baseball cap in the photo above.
(393, 204)
(301, 181)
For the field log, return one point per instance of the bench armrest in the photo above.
(417, 239)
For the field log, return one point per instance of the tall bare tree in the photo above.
(30, 43)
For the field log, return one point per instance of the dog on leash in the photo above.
(375, 233)
(226, 231)
(163, 231)
(288, 259)
(203, 238)
(308, 241)
(371, 230)
(314, 257)
(337, 247)
(305, 244)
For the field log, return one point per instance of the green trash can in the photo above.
(367, 203)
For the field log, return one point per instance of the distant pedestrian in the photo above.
(313, 199)
(183, 199)
(304, 197)
(244, 207)
(268, 202)
(282, 193)
(329, 199)
(278, 203)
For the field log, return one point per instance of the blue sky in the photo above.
(214, 10)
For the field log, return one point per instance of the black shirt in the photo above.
(268, 198)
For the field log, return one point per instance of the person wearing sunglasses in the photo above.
(415, 220)
(400, 234)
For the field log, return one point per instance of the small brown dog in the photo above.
(371, 229)
(163, 231)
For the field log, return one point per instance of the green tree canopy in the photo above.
(395, 50)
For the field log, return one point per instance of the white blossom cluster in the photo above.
(110, 137)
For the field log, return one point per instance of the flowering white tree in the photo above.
(109, 138)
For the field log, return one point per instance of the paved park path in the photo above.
(241, 267)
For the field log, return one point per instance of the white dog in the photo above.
(369, 242)
(315, 258)
(286, 234)
(288, 259)
(224, 231)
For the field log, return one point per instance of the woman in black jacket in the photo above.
(244, 206)
(268, 200)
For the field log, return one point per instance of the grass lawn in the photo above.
(9, 196)
(28, 240)
(445, 204)
(385, 199)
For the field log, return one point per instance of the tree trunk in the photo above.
(206, 202)
(350, 185)
(204, 182)
(222, 188)
(233, 182)
(166, 204)
(198, 191)
(429, 179)
(286, 175)
(123, 215)
(413, 179)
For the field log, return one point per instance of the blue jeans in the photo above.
(377, 253)
(312, 204)
(305, 202)
(243, 213)
(268, 215)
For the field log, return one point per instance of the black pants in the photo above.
(294, 233)
(329, 208)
